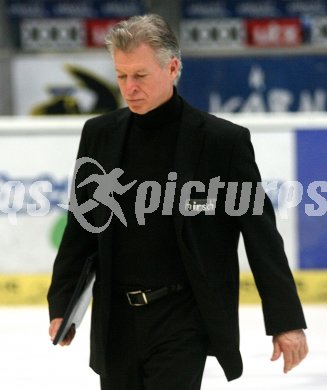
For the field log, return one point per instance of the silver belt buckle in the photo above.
(134, 293)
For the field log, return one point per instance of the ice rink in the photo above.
(29, 361)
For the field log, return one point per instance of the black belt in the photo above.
(141, 298)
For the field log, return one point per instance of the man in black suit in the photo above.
(167, 274)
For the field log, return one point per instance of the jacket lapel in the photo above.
(188, 150)
(112, 150)
(115, 138)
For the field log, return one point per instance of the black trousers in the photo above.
(160, 346)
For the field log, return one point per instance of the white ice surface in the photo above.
(29, 361)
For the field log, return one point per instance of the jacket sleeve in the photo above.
(264, 246)
(76, 245)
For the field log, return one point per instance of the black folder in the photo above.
(80, 299)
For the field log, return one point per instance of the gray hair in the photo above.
(150, 29)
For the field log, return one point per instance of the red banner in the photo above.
(97, 29)
(274, 32)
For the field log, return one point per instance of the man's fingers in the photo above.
(296, 358)
(288, 361)
(306, 351)
(69, 336)
(294, 347)
(303, 351)
(292, 359)
(276, 353)
(54, 326)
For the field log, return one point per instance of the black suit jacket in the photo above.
(207, 147)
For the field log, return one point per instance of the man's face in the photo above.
(143, 82)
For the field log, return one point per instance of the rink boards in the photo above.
(290, 152)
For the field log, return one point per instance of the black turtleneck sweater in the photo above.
(147, 256)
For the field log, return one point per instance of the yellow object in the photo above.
(16, 289)
(311, 285)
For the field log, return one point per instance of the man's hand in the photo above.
(53, 329)
(293, 345)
